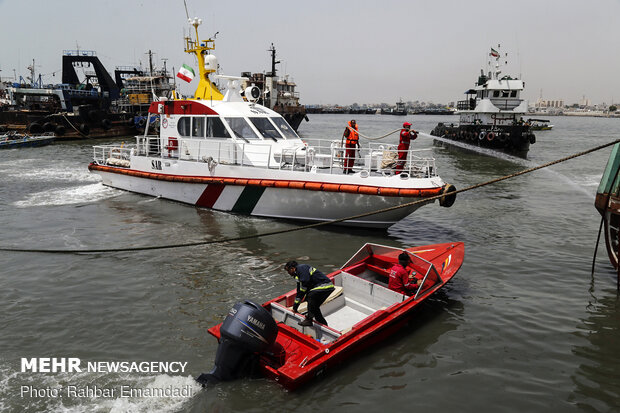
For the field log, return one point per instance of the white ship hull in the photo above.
(323, 199)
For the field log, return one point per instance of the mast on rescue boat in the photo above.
(207, 63)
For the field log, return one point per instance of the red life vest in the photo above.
(353, 136)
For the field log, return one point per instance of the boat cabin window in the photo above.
(201, 126)
(184, 126)
(513, 94)
(216, 129)
(505, 93)
(285, 128)
(266, 128)
(496, 94)
(198, 127)
(241, 128)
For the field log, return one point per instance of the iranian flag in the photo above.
(186, 73)
(494, 53)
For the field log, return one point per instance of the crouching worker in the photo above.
(313, 286)
(401, 280)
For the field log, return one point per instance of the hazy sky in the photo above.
(339, 51)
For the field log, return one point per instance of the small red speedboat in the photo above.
(360, 312)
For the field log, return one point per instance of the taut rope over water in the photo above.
(377, 138)
(301, 228)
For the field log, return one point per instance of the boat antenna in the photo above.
(186, 13)
(150, 53)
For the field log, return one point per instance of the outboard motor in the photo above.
(247, 331)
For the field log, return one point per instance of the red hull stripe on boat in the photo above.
(210, 195)
(266, 183)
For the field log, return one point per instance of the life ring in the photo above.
(482, 135)
(141, 122)
(490, 136)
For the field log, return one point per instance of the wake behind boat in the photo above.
(361, 311)
(228, 153)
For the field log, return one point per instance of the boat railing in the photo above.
(113, 155)
(374, 157)
(322, 156)
(466, 104)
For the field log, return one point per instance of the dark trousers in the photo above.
(315, 298)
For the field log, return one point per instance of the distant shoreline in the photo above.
(583, 114)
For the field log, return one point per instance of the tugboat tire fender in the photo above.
(532, 138)
(84, 128)
(35, 127)
(49, 126)
(449, 196)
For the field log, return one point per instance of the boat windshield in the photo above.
(266, 128)
(241, 128)
(215, 128)
(285, 128)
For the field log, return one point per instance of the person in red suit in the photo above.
(403, 280)
(406, 136)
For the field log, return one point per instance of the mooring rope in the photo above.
(77, 130)
(377, 138)
(304, 227)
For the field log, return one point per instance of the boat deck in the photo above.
(354, 300)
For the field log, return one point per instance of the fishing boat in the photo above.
(491, 116)
(12, 140)
(607, 203)
(138, 88)
(540, 124)
(226, 152)
(74, 109)
(361, 312)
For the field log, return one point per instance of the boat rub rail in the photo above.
(312, 186)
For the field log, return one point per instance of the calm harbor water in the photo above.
(522, 327)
